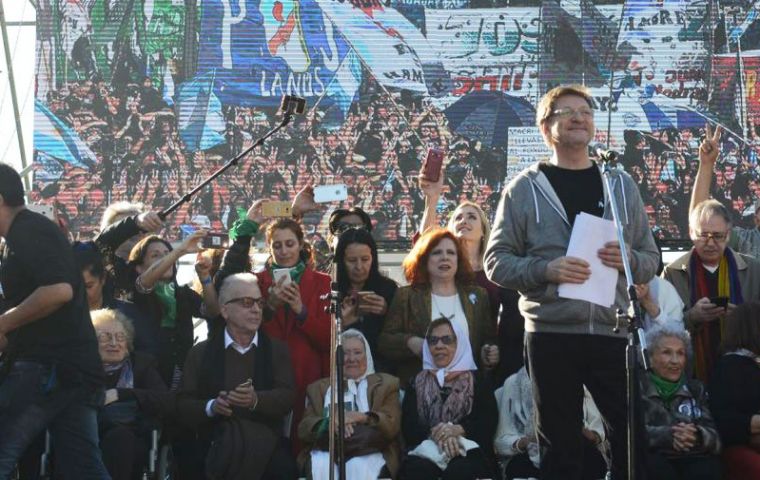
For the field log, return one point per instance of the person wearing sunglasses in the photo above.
(711, 279)
(448, 411)
(135, 393)
(441, 285)
(238, 389)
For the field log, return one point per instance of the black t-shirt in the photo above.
(578, 190)
(37, 254)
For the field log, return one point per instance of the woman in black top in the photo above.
(735, 393)
(366, 293)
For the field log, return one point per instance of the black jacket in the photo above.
(735, 397)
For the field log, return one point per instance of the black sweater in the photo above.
(479, 426)
(735, 397)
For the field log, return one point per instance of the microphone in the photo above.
(292, 105)
(609, 156)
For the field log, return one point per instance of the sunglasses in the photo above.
(447, 340)
(247, 302)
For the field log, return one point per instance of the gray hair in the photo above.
(224, 289)
(104, 316)
(118, 210)
(707, 209)
(655, 335)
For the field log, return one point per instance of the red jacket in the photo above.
(309, 342)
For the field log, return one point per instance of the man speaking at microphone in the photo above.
(569, 343)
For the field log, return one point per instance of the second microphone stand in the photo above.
(635, 338)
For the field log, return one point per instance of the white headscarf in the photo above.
(356, 389)
(462, 360)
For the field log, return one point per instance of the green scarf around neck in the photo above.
(165, 293)
(665, 388)
(296, 272)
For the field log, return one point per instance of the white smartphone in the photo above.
(330, 193)
(43, 209)
(279, 273)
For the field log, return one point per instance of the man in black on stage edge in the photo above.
(50, 371)
(569, 343)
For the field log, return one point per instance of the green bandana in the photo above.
(295, 272)
(666, 388)
(243, 227)
(165, 293)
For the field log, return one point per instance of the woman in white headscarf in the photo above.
(449, 410)
(373, 417)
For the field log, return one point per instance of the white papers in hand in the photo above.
(589, 234)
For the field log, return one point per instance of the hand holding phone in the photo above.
(281, 275)
(431, 167)
(719, 301)
(216, 240)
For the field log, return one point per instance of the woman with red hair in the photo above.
(440, 286)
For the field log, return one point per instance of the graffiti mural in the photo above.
(139, 100)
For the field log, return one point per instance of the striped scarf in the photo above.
(707, 335)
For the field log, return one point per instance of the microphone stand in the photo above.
(337, 400)
(287, 115)
(635, 337)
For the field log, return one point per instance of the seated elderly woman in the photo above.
(683, 440)
(735, 393)
(134, 392)
(448, 410)
(516, 438)
(440, 280)
(373, 417)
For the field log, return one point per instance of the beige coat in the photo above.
(383, 397)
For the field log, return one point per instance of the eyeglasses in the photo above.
(432, 340)
(567, 112)
(108, 337)
(247, 302)
(717, 236)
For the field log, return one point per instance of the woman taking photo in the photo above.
(683, 440)
(372, 418)
(469, 223)
(448, 411)
(164, 327)
(367, 294)
(735, 393)
(440, 286)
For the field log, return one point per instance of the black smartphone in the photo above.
(216, 240)
(719, 301)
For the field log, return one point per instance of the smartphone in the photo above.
(431, 167)
(43, 209)
(276, 208)
(330, 193)
(361, 297)
(719, 301)
(216, 240)
(279, 273)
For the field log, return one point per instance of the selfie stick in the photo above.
(290, 105)
(635, 336)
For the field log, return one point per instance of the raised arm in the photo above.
(432, 193)
(708, 155)
(148, 279)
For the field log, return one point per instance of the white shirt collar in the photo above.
(239, 348)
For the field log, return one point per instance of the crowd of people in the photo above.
(477, 368)
(141, 157)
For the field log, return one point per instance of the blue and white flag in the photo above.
(199, 114)
(56, 139)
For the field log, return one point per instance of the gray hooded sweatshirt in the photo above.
(531, 229)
